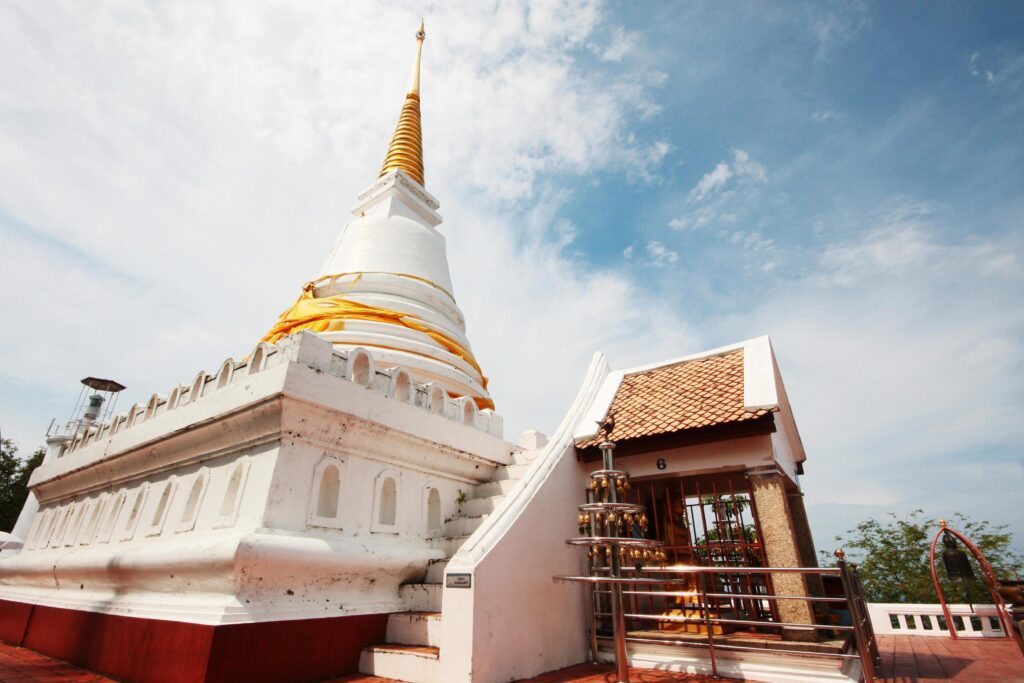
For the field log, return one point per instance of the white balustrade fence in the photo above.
(928, 620)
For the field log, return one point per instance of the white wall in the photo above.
(524, 622)
(746, 452)
(515, 622)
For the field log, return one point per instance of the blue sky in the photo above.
(647, 180)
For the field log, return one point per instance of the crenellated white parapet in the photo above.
(300, 482)
(356, 365)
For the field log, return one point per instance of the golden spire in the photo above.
(405, 151)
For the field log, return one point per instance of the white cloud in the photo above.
(836, 24)
(171, 174)
(726, 198)
(657, 255)
(904, 239)
(661, 256)
(888, 247)
(713, 181)
(642, 162)
(901, 351)
(1002, 68)
(823, 115)
(621, 44)
(746, 167)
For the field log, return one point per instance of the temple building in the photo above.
(344, 498)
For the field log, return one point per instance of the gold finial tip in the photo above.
(942, 523)
(421, 34)
(840, 554)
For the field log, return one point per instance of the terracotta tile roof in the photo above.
(674, 398)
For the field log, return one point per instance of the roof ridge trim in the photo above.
(711, 353)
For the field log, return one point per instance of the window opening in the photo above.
(94, 520)
(115, 510)
(161, 506)
(388, 502)
(227, 506)
(433, 510)
(75, 525)
(192, 504)
(327, 498)
(136, 509)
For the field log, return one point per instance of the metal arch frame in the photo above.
(990, 581)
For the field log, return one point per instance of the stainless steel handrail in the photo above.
(738, 596)
(748, 648)
(863, 634)
(739, 622)
(693, 568)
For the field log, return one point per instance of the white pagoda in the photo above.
(343, 498)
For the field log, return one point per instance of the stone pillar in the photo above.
(782, 547)
(808, 554)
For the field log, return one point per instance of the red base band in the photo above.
(155, 650)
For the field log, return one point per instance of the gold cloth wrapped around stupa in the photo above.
(329, 313)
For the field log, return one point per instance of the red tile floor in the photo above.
(918, 659)
(581, 673)
(905, 659)
(18, 665)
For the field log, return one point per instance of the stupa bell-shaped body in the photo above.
(386, 285)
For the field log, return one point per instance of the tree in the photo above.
(893, 558)
(14, 474)
(725, 515)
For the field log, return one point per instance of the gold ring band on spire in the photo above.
(405, 151)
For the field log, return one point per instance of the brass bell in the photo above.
(958, 567)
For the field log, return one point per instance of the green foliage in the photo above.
(893, 558)
(14, 474)
(724, 516)
(726, 507)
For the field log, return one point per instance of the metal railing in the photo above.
(709, 601)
